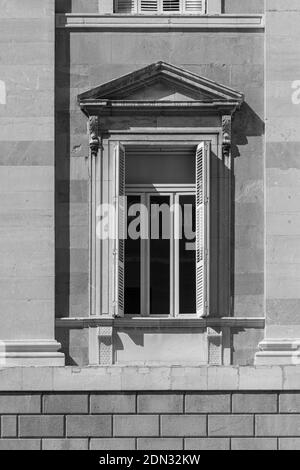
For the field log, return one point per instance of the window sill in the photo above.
(159, 22)
(161, 322)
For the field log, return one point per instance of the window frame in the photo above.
(145, 192)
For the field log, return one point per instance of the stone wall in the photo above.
(87, 58)
(150, 420)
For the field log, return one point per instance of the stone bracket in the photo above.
(93, 129)
(226, 135)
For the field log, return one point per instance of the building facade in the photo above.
(106, 106)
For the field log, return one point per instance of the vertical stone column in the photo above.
(27, 184)
(282, 170)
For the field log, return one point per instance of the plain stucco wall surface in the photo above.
(27, 170)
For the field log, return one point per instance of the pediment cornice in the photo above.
(190, 91)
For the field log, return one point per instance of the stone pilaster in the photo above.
(27, 271)
(281, 344)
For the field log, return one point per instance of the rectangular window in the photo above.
(162, 268)
(167, 7)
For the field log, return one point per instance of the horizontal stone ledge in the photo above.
(160, 22)
(150, 322)
(150, 378)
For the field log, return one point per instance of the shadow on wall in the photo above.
(62, 179)
(246, 123)
(76, 6)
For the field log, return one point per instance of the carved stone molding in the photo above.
(105, 345)
(226, 135)
(93, 126)
(214, 342)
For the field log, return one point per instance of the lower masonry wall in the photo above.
(156, 420)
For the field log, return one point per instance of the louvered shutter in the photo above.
(171, 5)
(120, 213)
(148, 6)
(202, 227)
(194, 7)
(125, 6)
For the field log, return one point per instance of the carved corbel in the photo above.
(226, 135)
(93, 125)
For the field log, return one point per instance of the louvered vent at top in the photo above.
(195, 6)
(171, 5)
(149, 5)
(160, 6)
(124, 6)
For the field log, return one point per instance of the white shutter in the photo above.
(120, 213)
(125, 6)
(148, 6)
(171, 5)
(194, 6)
(202, 228)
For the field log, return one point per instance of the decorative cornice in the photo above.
(159, 22)
(118, 94)
(152, 322)
(112, 108)
(119, 90)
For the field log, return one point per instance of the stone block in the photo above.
(20, 403)
(41, 426)
(222, 378)
(253, 444)
(113, 403)
(9, 426)
(64, 444)
(160, 443)
(289, 443)
(266, 378)
(113, 444)
(89, 426)
(130, 425)
(289, 403)
(254, 403)
(20, 444)
(160, 403)
(176, 425)
(210, 443)
(65, 403)
(277, 425)
(230, 425)
(207, 403)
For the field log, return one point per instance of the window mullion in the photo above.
(145, 253)
(176, 254)
(172, 265)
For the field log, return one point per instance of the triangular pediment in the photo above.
(162, 82)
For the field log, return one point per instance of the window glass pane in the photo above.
(132, 290)
(160, 255)
(187, 259)
(160, 167)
